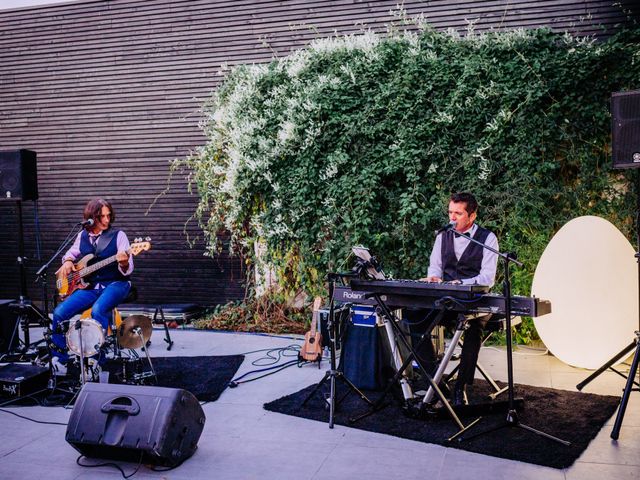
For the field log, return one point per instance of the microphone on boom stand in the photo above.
(448, 226)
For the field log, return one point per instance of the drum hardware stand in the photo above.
(112, 342)
(78, 326)
(512, 414)
(389, 317)
(333, 373)
(167, 337)
(138, 331)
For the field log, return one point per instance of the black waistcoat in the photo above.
(470, 262)
(110, 272)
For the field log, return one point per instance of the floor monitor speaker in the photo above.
(152, 425)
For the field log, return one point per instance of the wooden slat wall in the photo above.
(107, 93)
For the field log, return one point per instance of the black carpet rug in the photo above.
(205, 377)
(572, 416)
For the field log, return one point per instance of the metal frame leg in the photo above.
(444, 363)
(615, 433)
(167, 337)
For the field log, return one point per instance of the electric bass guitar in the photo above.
(311, 351)
(67, 284)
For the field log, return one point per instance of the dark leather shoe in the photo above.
(459, 396)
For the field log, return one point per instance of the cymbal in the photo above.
(130, 330)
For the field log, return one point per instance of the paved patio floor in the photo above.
(243, 441)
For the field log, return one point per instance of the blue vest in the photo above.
(470, 262)
(108, 273)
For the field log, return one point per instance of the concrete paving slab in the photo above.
(241, 440)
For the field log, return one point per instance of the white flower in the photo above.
(443, 117)
(286, 132)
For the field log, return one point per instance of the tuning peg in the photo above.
(148, 239)
(137, 240)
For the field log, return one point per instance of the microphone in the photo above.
(87, 223)
(448, 226)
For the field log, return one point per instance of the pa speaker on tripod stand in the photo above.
(625, 141)
(18, 182)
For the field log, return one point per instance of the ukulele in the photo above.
(311, 351)
(68, 284)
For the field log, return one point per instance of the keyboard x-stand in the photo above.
(334, 373)
(441, 306)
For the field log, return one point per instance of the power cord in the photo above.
(236, 381)
(31, 419)
(114, 465)
(282, 352)
(271, 363)
(36, 401)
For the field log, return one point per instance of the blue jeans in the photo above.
(101, 300)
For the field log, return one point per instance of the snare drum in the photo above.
(114, 324)
(91, 334)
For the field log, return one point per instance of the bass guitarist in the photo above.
(106, 288)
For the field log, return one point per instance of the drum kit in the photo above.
(87, 341)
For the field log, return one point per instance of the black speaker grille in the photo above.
(625, 129)
(18, 176)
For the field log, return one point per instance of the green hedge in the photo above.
(361, 139)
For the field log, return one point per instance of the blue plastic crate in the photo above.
(363, 315)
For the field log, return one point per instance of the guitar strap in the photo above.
(104, 239)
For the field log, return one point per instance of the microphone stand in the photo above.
(512, 414)
(333, 373)
(41, 275)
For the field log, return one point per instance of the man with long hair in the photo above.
(107, 287)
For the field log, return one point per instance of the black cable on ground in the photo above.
(236, 381)
(270, 361)
(114, 465)
(31, 396)
(31, 419)
(291, 347)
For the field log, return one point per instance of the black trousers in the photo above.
(420, 319)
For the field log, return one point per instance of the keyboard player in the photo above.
(455, 259)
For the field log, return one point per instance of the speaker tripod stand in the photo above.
(615, 433)
(333, 374)
(629, 348)
(27, 313)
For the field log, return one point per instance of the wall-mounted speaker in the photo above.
(625, 129)
(152, 425)
(18, 175)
